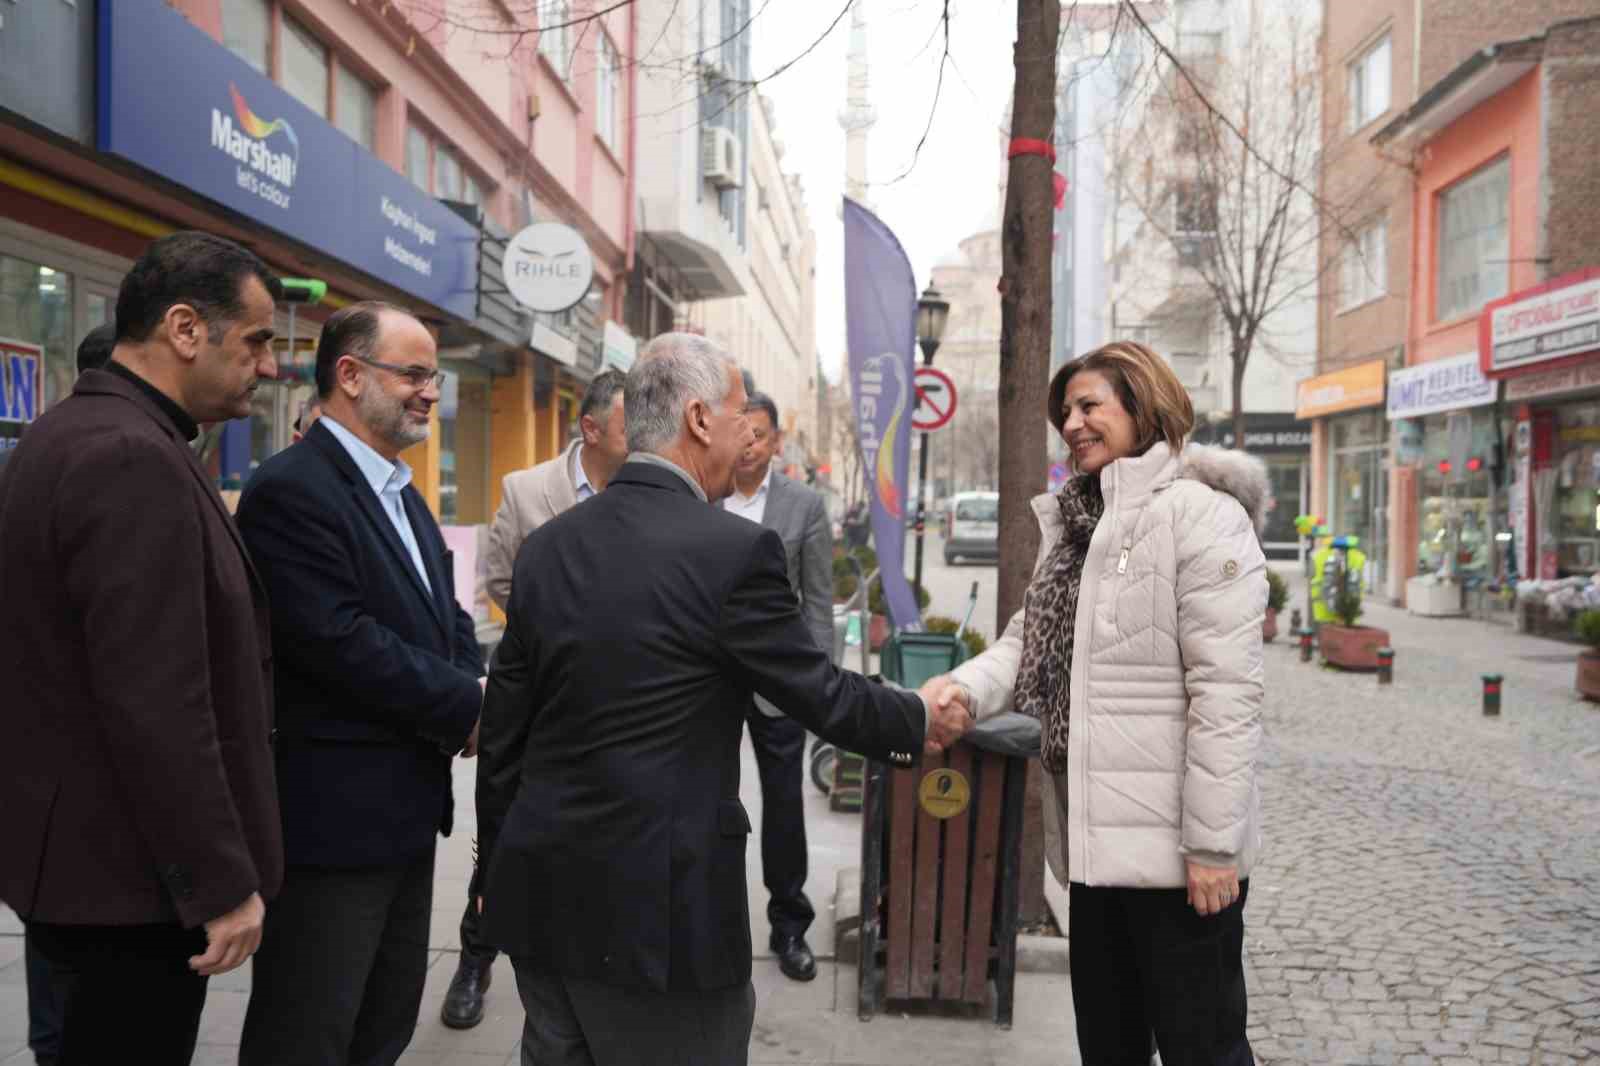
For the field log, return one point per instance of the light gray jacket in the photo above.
(528, 499)
(1166, 675)
(800, 516)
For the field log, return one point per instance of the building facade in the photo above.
(1431, 215)
(351, 143)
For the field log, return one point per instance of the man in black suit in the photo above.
(378, 688)
(140, 838)
(640, 625)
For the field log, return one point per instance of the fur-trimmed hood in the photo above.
(1239, 474)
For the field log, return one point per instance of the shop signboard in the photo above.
(1452, 384)
(548, 267)
(1264, 433)
(176, 102)
(619, 347)
(1553, 321)
(1349, 389)
(1540, 384)
(21, 381)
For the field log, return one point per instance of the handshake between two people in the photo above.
(950, 716)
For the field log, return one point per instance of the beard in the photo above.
(388, 418)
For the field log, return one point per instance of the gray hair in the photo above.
(673, 370)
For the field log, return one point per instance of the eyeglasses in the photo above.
(418, 377)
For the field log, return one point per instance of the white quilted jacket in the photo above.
(1166, 679)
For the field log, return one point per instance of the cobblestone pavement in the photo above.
(1430, 891)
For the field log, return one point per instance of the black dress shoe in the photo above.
(463, 1003)
(795, 958)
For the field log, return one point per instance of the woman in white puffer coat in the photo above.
(1139, 650)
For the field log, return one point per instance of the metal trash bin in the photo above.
(940, 864)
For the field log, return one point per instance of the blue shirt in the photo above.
(580, 476)
(387, 481)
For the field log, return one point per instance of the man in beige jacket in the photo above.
(529, 499)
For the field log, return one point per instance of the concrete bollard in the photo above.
(1491, 695)
(1385, 666)
(1305, 645)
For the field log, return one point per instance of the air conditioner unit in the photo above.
(719, 158)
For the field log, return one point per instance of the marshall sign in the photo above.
(1556, 320)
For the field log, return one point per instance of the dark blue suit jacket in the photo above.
(376, 676)
(611, 832)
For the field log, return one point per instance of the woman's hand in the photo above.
(1212, 889)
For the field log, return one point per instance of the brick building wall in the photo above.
(1572, 146)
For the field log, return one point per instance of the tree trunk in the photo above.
(1025, 358)
(1239, 360)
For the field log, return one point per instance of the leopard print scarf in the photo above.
(1051, 606)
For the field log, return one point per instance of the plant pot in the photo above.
(1351, 647)
(1589, 674)
(877, 632)
(1269, 627)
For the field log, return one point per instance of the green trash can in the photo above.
(911, 659)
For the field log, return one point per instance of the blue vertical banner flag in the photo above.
(880, 296)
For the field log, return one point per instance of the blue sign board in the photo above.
(174, 101)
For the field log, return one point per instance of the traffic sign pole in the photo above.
(922, 496)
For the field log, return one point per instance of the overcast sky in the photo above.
(952, 189)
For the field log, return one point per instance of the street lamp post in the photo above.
(932, 313)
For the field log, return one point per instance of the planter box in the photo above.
(1433, 599)
(1351, 647)
(1269, 628)
(1589, 675)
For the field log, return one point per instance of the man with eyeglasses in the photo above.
(377, 688)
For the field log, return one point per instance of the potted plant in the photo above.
(1587, 626)
(1277, 600)
(974, 641)
(1346, 644)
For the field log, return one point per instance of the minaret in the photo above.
(857, 116)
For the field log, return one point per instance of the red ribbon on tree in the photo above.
(1031, 146)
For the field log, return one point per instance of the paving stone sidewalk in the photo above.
(1431, 886)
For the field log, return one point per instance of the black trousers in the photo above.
(123, 983)
(473, 947)
(780, 745)
(46, 991)
(1144, 962)
(338, 980)
(573, 1022)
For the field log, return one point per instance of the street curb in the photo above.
(1035, 954)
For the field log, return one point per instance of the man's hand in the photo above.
(471, 749)
(1212, 889)
(231, 939)
(949, 717)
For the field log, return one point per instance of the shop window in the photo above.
(417, 154)
(36, 309)
(356, 108)
(555, 35)
(247, 32)
(1473, 244)
(1364, 265)
(607, 94)
(1368, 82)
(464, 445)
(436, 169)
(305, 67)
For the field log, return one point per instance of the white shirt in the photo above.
(580, 476)
(751, 507)
(387, 480)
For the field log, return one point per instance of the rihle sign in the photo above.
(174, 101)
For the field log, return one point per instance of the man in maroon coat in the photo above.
(140, 830)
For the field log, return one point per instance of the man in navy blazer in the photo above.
(377, 689)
